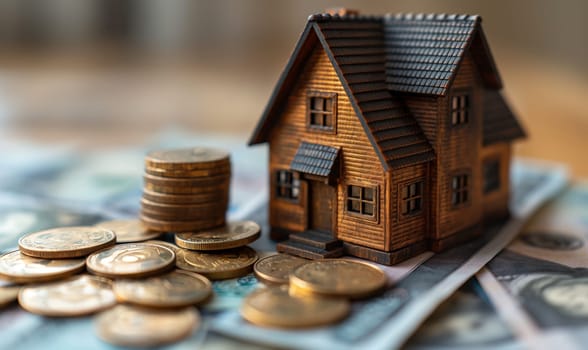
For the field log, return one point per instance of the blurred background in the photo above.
(108, 73)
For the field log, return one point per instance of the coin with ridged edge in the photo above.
(277, 268)
(76, 296)
(194, 158)
(163, 198)
(234, 234)
(8, 294)
(275, 307)
(132, 260)
(126, 325)
(222, 169)
(230, 263)
(180, 226)
(19, 268)
(128, 231)
(174, 289)
(66, 242)
(185, 182)
(339, 277)
(216, 188)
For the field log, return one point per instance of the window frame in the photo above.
(498, 182)
(461, 189)
(310, 96)
(290, 186)
(465, 111)
(404, 200)
(375, 217)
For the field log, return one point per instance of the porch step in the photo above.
(308, 251)
(316, 239)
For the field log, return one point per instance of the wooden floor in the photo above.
(96, 104)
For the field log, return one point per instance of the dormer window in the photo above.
(460, 109)
(322, 110)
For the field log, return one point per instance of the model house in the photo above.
(388, 136)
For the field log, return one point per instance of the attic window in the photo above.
(322, 110)
(460, 107)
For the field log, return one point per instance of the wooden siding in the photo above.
(496, 202)
(407, 230)
(359, 162)
(458, 150)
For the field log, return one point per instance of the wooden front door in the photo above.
(320, 207)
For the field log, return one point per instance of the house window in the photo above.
(460, 106)
(322, 110)
(460, 189)
(362, 200)
(287, 185)
(491, 175)
(412, 198)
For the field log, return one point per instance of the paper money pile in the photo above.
(528, 295)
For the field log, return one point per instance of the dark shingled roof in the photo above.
(315, 159)
(378, 59)
(500, 124)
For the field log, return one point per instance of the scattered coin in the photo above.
(165, 244)
(186, 158)
(8, 294)
(77, 296)
(19, 268)
(174, 289)
(339, 277)
(275, 307)
(66, 242)
(277, 268)
(128, 231)
(126, 325)
(234, 234)
(218, 265)
(131, 260)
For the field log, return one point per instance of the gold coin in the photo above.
(233, 235)
(186, 182)
(223, 169)
(204, 217)
(218, 265)
(218, 189)
(20, 268)
(339, 277)
(187, 158)
(128, 231)
(8, 294)
(66, 242)
(126, 325)
(189, 210)
(131, 260)
(277, 268)
(180, 226)
(162, 198)
(174, 289)
(275, 307)
(76, 296)
(165, 244)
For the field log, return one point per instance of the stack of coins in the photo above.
(303, 293)
(185, 189)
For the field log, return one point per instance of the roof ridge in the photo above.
(326, 17)
(433, 17)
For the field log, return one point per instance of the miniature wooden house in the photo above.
(388, 136)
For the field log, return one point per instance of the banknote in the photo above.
(388, 320)
(540, 283)
(464, 321)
